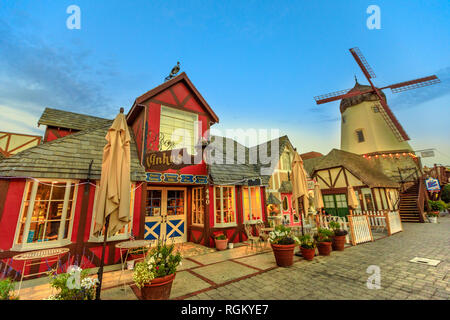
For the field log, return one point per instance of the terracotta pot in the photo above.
(284, 254)
(324, 248)
(159, 288)
(221, 244)
(308, 254)
(338, 243)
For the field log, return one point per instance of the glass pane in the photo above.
(66, 229)
(43, 192)
(59, 190)
(22, 228)
(33, 233)
(56, 208)
(175, 202)
(256, 203)
(39, 211)
(153, 207)
(246, 204)
(51, 232)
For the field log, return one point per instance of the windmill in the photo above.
(371, 90)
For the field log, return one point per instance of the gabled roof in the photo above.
(354, 163)
(155, 91)
(70, 120)
(67, 158)
(310, 155)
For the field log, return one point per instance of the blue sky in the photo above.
(257, 63)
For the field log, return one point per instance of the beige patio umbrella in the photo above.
(112, 210)
(352, 200)
(299, 184)
(318, 199)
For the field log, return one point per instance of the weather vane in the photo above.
(174, 71)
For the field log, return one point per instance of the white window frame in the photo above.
(33, 185)
(252, 220)
(195, 125)
(122, 236)
(223, 224)
(199, 189)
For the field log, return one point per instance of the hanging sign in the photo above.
(432, 184)
(159, 177)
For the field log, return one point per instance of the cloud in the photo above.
(418, 96)
(34, 74)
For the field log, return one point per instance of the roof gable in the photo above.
(70, 120)
(175, 94)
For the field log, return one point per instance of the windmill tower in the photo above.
(368, 125)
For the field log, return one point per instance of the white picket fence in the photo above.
(377, 219)
(360, 229)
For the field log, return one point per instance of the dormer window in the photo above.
(178, 129)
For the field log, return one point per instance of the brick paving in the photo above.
(343, 274)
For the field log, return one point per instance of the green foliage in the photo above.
(437, 205)
(336, 227)
(160, 262)
(324, 235)
(7, 290)
(283, 235)
(445, 193)
(84, 290)
(221, 237)
(307, 242)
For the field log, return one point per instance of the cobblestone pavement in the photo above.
(343, 274)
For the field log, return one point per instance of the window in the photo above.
(47, 214)
(375, 109)
(178, 127)
(123, 233)
(153, 207)
(251, 198)
(175, 202)
(285, 204)
(197, 206)
(224, 206)
(360, 135)
(286, 161)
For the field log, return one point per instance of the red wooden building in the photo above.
(48, 192)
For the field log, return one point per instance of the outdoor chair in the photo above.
(250, 237)
(262, 235)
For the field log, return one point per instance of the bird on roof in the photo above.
(174, 71)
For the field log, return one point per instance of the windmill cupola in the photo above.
(355, 100)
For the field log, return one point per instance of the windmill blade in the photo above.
(413, 84)
(362, 62)
(392, 122)
(338, 95)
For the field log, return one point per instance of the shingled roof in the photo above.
(70, 120)
(235, 173)
(352, 101)
(67, 158)
(354, 163)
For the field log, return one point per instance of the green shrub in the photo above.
(282, 235)
(324, 235)
(445, 194)
(307, 242)
(437, 205)
(7, 290)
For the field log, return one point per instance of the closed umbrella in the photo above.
(112, 211)
(352, 199)
(299, 184)
(318, 200)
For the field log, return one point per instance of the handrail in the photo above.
(422, 197)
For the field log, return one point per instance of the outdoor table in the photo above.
(28, 257)
(127, 246)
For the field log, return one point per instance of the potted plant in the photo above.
(436, 207)
(283, 243)
(73, 285)
(221, 241)
(324, 241)
(338, 238)
(307, 247)
(154, 276)
(7, 290)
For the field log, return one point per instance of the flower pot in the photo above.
(308, 253)
(338, 243)
(159, 288)
(284, 254)
(221, 244)
(324, 248)
(433, 219)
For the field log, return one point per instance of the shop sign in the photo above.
(176, 178)
(168, 159)
(432, 184)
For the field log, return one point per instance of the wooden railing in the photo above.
(422, 200)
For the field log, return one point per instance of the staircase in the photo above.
(409, 211)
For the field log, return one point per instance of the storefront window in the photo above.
(47, 213)
(175, 202)
(251, 197)
(123, 233)
(225, 214)
(178, 127)
(197, 206)
(153, 207)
